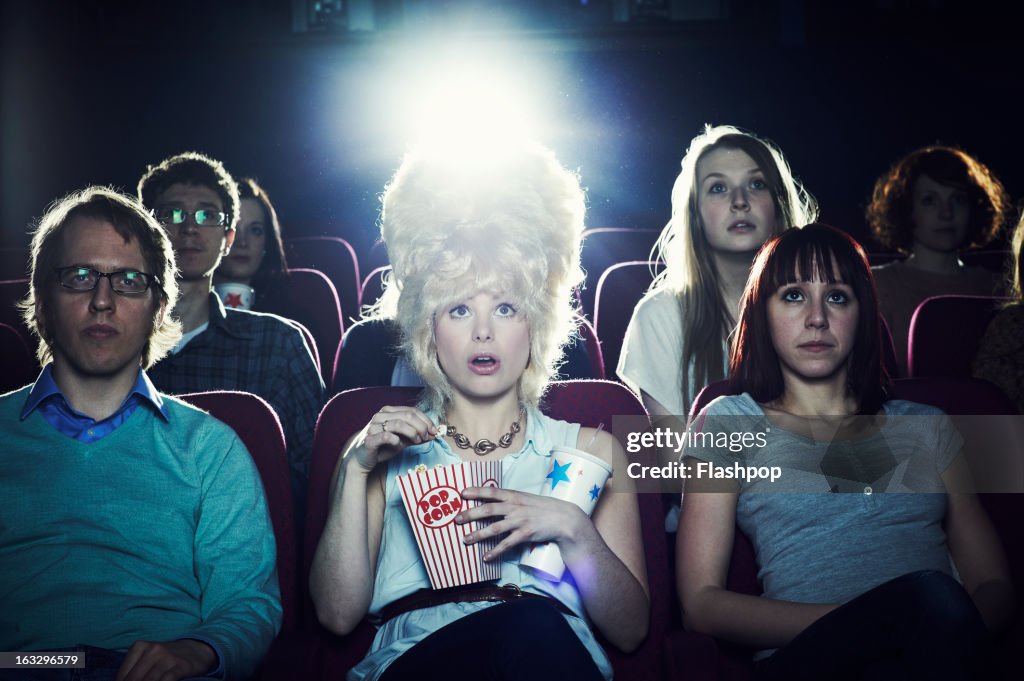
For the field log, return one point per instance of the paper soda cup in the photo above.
(235, 295)
(432, 499)
(574, 476)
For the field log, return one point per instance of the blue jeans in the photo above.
(526, 639)
(922, 625)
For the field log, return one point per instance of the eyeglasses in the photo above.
(178, 216)
(124, 282)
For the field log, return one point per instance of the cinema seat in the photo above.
(619, 289)
(606, 246)
(18, 365)
(945, 333)
(309, 297)
(333, 256)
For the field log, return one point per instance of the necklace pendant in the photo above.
(483, 447)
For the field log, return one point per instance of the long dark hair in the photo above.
(799, 255)
(274, 264)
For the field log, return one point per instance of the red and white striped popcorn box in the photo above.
(432, 498)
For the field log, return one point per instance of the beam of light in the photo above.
(467, 99)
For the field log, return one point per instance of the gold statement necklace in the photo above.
(483, 446)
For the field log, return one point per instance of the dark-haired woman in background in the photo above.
(858, 582)
(257, 256)
(933, 204)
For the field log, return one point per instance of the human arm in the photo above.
(235, 562)
(976, 550)
(341, 579)
(604, 554)
(703, 550)
(297, 395)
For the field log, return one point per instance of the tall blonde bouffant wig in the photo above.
(508, 220)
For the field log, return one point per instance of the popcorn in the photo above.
(432, 500)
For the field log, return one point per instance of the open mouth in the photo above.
(484, 365)
(742, 227)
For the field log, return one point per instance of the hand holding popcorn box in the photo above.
(432, 499)
(575, 476)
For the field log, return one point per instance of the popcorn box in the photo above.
(432, 499)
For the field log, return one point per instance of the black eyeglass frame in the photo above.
(225, 223)
(151, 280)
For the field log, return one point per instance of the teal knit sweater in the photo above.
(158, 531)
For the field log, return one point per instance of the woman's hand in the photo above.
(527, 518)
(389, 431)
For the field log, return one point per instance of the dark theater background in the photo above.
(319, 99)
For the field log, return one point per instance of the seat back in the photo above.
(259, 429)
(933, 350)
(606, 246)
(619, 289)
(12, 291)
(14, 262)
(18, 365)
(992, 259)
(309, 298)
(333, 256)
(593, 345)
(588, 402)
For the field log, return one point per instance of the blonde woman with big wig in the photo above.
(735, 191)
(486, 253)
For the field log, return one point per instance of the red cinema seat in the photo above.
(18, 365)
(945, 333)
(619, 289)
(606, 246)
(333, 256)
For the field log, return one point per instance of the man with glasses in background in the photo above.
(196, 201)
(134, 533)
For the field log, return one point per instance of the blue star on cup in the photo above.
(559, 473)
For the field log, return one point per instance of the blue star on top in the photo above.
(594, 491)
(558, 473)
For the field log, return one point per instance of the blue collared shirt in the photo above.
(47, 397)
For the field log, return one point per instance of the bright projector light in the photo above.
(469, 109)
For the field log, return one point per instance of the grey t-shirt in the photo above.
(845, 516)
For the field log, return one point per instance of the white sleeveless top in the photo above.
(400, 571)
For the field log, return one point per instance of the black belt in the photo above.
(470, 593)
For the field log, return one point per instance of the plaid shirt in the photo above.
(257, 353)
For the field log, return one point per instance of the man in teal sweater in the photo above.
(130, 522)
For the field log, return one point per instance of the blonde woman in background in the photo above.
(735, 191)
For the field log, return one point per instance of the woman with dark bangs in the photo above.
(932, 205)
(861, 579)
